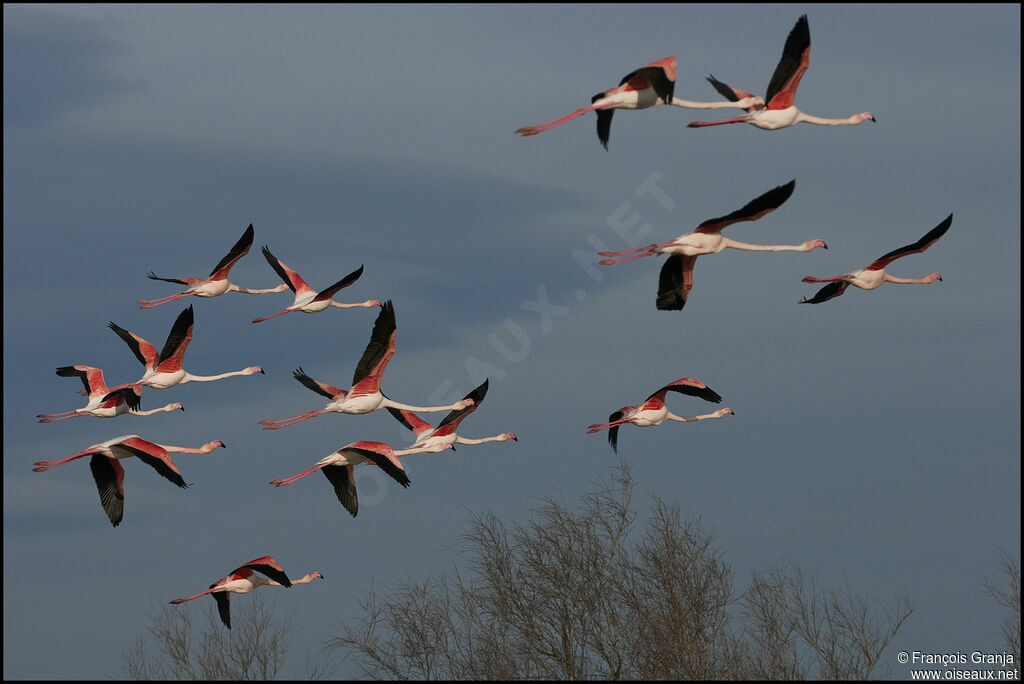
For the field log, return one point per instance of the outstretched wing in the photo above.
(386, 459)
(796, 56)
(322, 388)
(660, 75)
(452, 420)
(728, 92)
(924, 243)
(241, 248)
(154, 456)
(109, 476)
(366, 379)
(292, 279)
(91, 377)
(752, 210)
(675, 282)
(344, 486)
(830, 291)
(344, 282)
(177, 342)
(143, 350)
(410, 420)
(690, 387)
(613, 432)
(269, 567)
(182, 281)
(223, 605)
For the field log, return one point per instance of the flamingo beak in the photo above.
(514, 438)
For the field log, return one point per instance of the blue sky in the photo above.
(876, 439)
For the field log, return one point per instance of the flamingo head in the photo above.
(254, 369)
(316, 575)
(725, 411)
(931, 277)
(176, 407)
(865, 116)
(373, 302)
(509, 435)
(217, 443)
(464, 403)
(812, 244)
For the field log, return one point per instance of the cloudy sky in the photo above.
(876, 441)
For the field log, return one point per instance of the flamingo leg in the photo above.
(738, 119)
(54, 415)
(150, 303)
(46, 465)
(182, 600)
(54, 420)
(267, 318)
(631, 251)
(293, 478)
(612, 262)
(285, 422)
(597, 427)
(540, 128)
(811, 279)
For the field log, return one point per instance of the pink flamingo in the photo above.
(654, 412)
(337, 467)
(437, 439)
(307, 299)
(365, 395)
(109, 474)
(870, 277)
(165, 370)
(217, 283)
(780, 111)
(646, 87)
(104, 402)
(244, 579)
(676, 278)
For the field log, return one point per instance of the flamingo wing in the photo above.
(924, 243)
(156, 457)
(292, 279)
(109, 476)
(830, 291)
(241, 248)
(382, 456)
(452, 420)
(344, 282)
(344, 486)
(366, 379)
(752, 210)
(613, 432)
(728, 92)
(178, 339)
(130, 395)
(181, 281)
(411, 420)
(322, 388)
(143, 350)
(675, 282)
(269, 567)
(223, 599)
(660, 76)
(691, 387)
(796, 56)
(91, 377)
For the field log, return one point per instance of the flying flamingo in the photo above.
(244, 579)
(217, 283)
(307, 299)
(870, 277)
(109, 474)
(164, 370)
(437, 439)
(365, 395)
(654, 412)
(337, 467)
(676, 277)
(646, 87)
(780, 111)
(104, 402)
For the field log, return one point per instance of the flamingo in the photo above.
(435, 439)
(244, 579)
(654, 412)
(337, 467)
(109, 474)
(164, 370)
(217, 283)
(307, 299)
(646, 87)
(676, 278)
(104, 402)
(780, 111)
(365, 395)
(870, 277)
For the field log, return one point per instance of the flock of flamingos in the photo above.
(646, 87)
